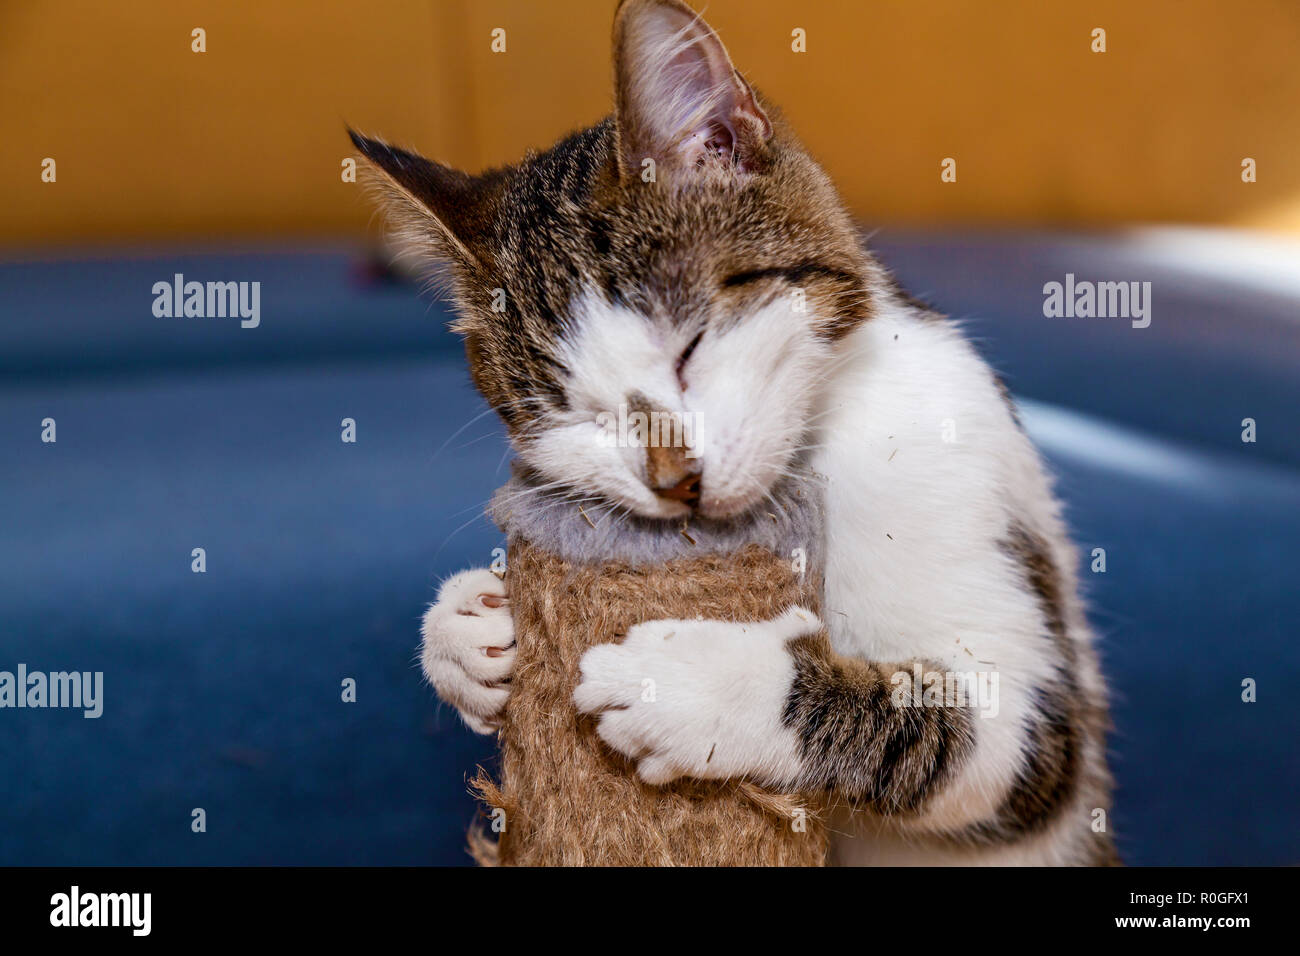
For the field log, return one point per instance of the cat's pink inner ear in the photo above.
(680, 100)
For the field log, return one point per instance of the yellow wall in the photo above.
(153, 141)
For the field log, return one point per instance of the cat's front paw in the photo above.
(468, 651)
(698, 698)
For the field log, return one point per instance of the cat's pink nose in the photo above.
(672, 475)
(686, 491)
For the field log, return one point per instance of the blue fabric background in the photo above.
(222, 690)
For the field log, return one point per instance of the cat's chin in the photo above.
(719, 510)
(727, 509)
(666, 511)
(652, 507)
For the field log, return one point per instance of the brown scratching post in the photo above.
(565, 799)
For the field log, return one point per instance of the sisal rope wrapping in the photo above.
(568, 800)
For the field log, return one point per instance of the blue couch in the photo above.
(222, 690)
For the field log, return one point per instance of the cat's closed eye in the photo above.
(794, 274)
(686, 357)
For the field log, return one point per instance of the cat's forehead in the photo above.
(660, 263)
(569, 227)
(565, 216)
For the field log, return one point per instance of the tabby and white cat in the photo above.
(687, 255)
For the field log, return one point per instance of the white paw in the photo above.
(698, 698)
(468, 651)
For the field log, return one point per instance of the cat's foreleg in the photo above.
(468, 651)
(774, 703)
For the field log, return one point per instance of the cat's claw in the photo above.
(468, 651)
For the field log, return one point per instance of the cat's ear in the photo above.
(680, 101)
(452, 209)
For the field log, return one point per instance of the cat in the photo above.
(686, 255)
